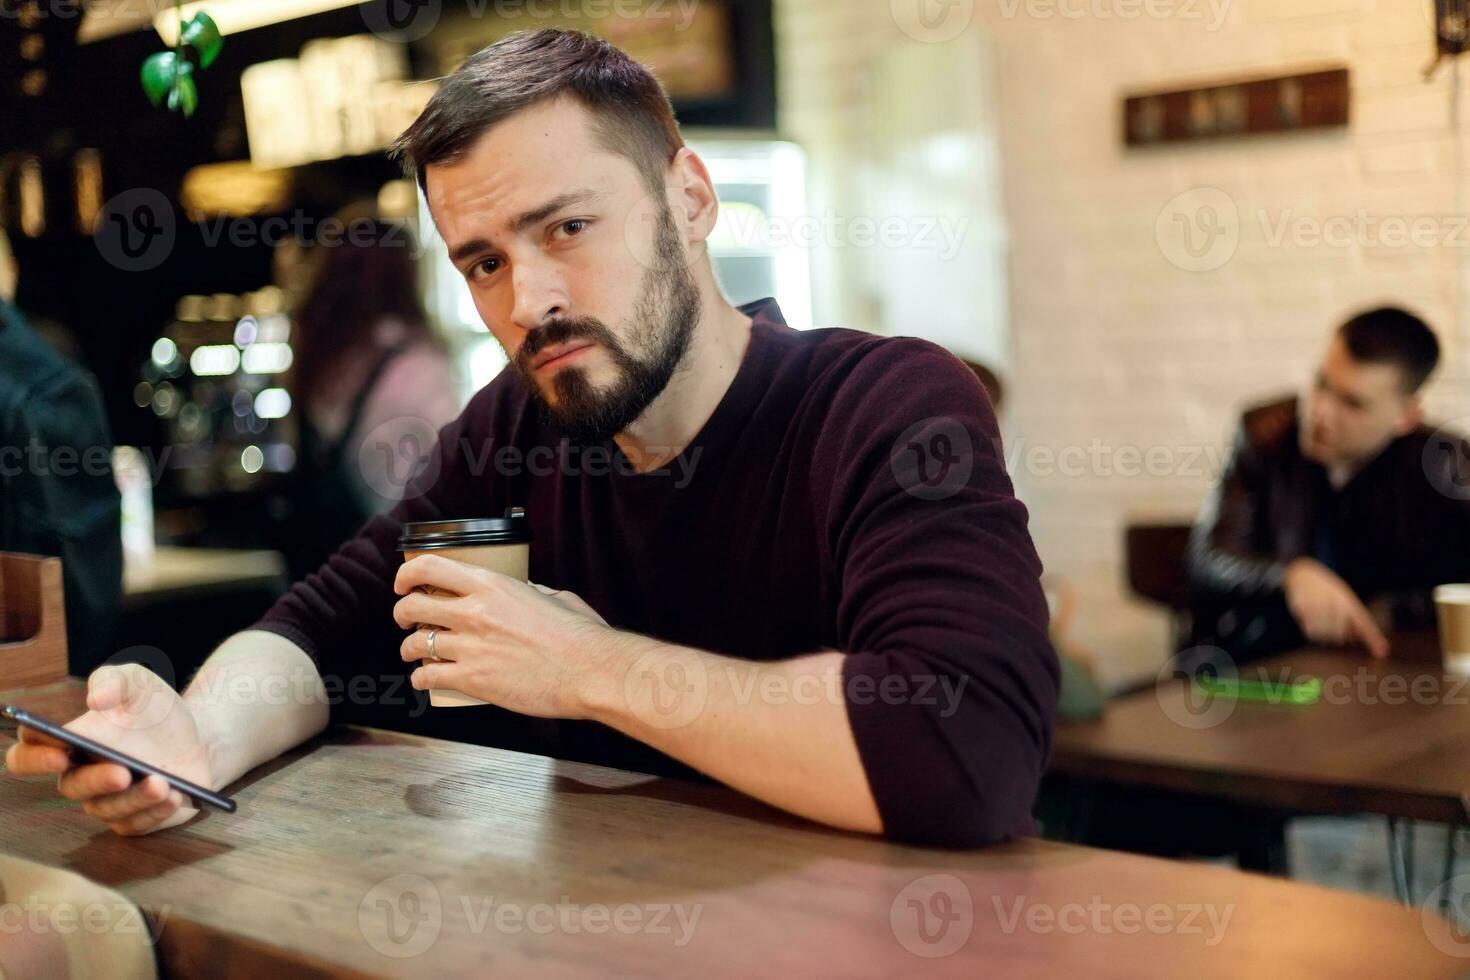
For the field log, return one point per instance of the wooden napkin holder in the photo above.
(32, 621)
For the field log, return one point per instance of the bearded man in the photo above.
(790, 561)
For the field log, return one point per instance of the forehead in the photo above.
(1360, 378)
(518, 164)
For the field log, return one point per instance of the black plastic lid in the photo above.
(429, 535)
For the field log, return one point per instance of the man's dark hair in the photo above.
(632, 112)
(1389, 335)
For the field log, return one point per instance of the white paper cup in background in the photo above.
(1453, 605)
(499, 544)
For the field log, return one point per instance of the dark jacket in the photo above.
(57, 495)
(1399, 527)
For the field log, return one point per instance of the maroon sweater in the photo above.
(848, 493)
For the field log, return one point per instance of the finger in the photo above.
(32, 737)
(142, 823)
(437, 572)
(416, 608)
(36, 760)
(416, 645)
(436, 675)
(99, 779)
(1366, 630)
(136, 798)
(1312, 626)
(107, 687)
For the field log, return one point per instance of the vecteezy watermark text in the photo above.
(36, 916)
(670, 688)
(943, 235)
(403, 916)
(398, 459)
(1101, 917)
(1201, 229)
(1210, 13)
(406, 21)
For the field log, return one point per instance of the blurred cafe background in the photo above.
(1136, 218)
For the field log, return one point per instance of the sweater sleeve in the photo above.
(342, 614)
(950, 680)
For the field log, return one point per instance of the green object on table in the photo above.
(1308, 690)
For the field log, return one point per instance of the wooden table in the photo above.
(1389, 737)
(177, 573)
(372, 853)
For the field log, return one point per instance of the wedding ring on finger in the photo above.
(433, 634)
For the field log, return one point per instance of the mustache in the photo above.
(562, 331)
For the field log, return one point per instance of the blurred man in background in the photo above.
(1331, 501)
(57, 495)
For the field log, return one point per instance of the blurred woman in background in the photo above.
(372, 381)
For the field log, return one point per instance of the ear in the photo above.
(692, 196)
(1413, 414)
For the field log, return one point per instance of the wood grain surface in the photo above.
(371, 853)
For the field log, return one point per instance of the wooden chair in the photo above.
(32, 622)
(1158, 570)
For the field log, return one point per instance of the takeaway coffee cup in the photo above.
(1453, 605)
(500, 544)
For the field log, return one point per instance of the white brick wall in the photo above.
(1103, 337)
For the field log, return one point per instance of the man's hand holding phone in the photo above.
(133, 710)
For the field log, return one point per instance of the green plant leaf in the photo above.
(185, 95)
(202, 34)
(159, 72)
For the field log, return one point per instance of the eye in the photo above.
(483, 268)
(571, 229)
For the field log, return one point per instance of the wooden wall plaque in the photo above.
(1309, 100)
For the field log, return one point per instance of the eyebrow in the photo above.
(525, 220)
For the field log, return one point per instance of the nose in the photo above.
(1319, 411)
(540, 294)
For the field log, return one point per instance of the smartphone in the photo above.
(1302, 692)
(10, 716)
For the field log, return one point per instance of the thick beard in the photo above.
(663, 320)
